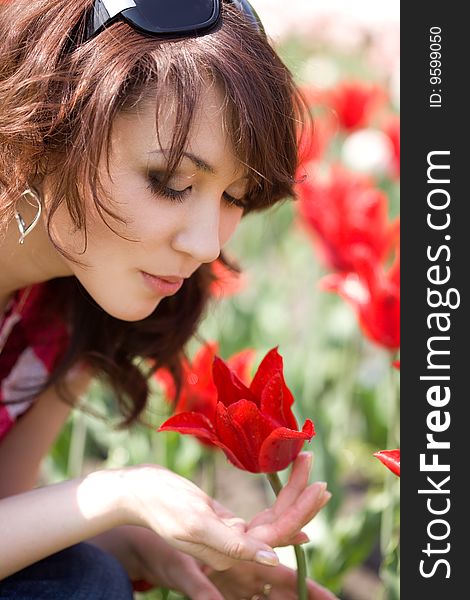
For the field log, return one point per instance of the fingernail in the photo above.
(325, 499)
(309, 460)
(267, 558)
(321, 486)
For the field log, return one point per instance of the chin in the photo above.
(132, 313)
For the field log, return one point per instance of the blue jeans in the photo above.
(81, 572)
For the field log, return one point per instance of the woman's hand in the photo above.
(279, 525)
(296, 505)
(188, 519)
(148, 558)
(243, 581)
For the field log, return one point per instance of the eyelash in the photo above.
(179, 195)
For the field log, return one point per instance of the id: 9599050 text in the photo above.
(435, 67)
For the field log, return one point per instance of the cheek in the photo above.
(65, 234)
(229, 222)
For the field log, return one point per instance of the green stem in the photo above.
(276, 485)
(209, 472)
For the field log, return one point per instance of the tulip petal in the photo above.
(276, 400)
(374, 297)
(192, 423)
(198, 392)
(269, 366)
(282, 446)
(229, 386)
(165, 379)
(241, 363)
(233, 436)
(255, 425)
(391, 459)
(202, 363)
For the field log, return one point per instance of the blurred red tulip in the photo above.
(391, 459)
(391, 128)
(198, 389)
(228, 282)
(316, 139)
(355, 103)
(375, 295)
(312, 95)
(198, 392)
(346, 215)
(141, 585)
(396, 364)
(254, 425)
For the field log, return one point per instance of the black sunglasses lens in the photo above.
(174, 16)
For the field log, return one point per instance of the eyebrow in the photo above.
(200, 164)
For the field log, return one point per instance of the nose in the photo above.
(198, 233)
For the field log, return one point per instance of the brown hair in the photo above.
(58, 100)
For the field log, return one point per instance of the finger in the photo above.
(265, 516)
(196, 586)
(182, 573)
(294, 519)
(284, 580)
(215, 561)
(324, 500)
(297, 516)
(279, 532)
(298, 538)
(206, 569)
(238, 546)
(296, 484)
(236, 524)
(318, 592)
(298, 481)
(228, 517)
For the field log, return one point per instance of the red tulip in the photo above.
(312, 95)
(141, 585)
(315, 140)
(346, 215)
(375, 295)
(391, 128)
(228, 282)
(254, 425)
(198, 392)
(391, 459)
(355, 103)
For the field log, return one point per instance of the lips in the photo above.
(163, 286)
(170, 278)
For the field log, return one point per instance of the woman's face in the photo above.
(167, 234)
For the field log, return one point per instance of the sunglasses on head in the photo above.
(171, 18)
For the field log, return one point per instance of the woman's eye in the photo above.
(231, 201)
(164, 191)
(168, 192)
(178, 195)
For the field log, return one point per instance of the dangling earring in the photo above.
(24, 229)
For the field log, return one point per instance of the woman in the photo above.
(134, 137)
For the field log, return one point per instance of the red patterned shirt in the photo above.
(32, 341)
